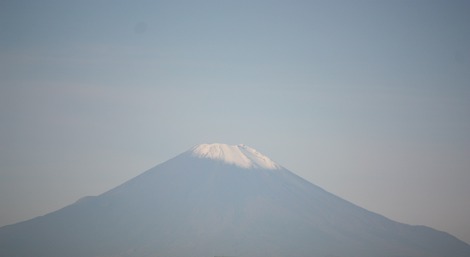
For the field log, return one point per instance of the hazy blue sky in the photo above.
(367, 99)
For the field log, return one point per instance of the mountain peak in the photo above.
(189, 206)
(239, 155)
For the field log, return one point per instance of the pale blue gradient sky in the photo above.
(367, 99)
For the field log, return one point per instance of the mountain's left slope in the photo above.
(218, 199)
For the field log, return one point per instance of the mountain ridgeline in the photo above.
(221, 200)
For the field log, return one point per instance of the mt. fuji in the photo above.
(221, 200)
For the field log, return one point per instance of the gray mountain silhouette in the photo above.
(221, 200)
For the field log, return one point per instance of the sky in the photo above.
(369, 100)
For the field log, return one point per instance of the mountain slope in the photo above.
(220, 200)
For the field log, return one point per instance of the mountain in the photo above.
(221, 200)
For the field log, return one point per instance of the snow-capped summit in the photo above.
(239, 155)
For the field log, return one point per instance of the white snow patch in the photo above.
(239, 155)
